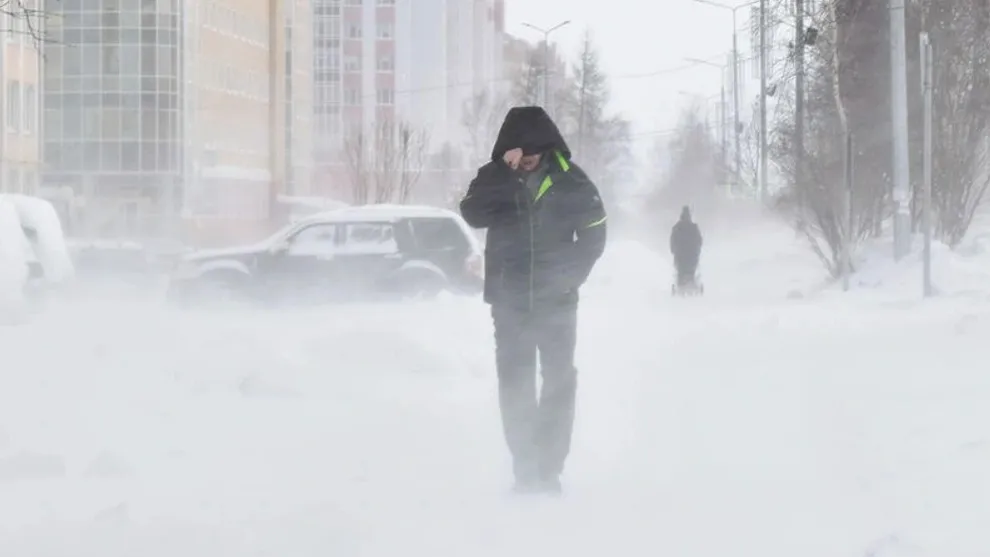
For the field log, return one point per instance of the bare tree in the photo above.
(691, 177)
(482, 116)
(526, 81)
(749, 155)
(357, 154)
(848, 90)
(26, 17)
(386, 163)
(601, 141)
(847, 78)
(961, 33)
(527, 85)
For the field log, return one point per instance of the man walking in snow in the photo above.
(546, 230)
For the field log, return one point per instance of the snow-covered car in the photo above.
(122, 262)
(34, 258)
(368, 252)
(298, 208)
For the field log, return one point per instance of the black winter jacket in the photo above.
(541, 247)
(685, 242)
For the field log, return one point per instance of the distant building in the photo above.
(159, 109)
(382, 60)
(20, 132)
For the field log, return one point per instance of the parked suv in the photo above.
(368, 252)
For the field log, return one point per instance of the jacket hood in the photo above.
(531, 129)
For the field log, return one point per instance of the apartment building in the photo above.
(354, 80)
(299, 67)
(474, 57)
(380, 60)
(20, 71)
(177, 113)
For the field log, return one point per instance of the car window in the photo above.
(438, 234)
(314, 240)
(370, 237)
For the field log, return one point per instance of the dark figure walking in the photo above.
(685, 245)
(546, 230)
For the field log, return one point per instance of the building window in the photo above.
(353, 30)
(352, 64)
(328, 28)
(386, 96)
(352, 97)
(14, 27)
(385, 31)
(386, 2)
(30, 109)
(354, 2)
(210, 14)
(386, 64)
(13, 105)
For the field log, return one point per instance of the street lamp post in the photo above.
(764, 154)
(546, 58)
(735, 87)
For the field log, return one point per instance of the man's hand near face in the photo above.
(512, 158)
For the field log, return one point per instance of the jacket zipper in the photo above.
(530, 215)
(532, 247)
(532, 254)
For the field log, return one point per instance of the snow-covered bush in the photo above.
(48, 243)
(14, 256)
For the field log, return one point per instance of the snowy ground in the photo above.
(741, 423)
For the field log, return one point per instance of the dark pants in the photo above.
(537, 426)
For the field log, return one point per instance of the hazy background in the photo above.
(638, 38)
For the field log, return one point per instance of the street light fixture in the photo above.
(546, 57)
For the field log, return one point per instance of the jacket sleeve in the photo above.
(590, 231)
(489, 200)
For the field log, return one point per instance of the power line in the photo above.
(616, 77)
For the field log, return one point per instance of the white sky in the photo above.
(639, 37)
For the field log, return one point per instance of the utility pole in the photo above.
(737, 121)
(763, 100)
(737, 124)
(927, 86)
(724, 110)
(546, 73)
(799, 38)
(899, 113)
(546, 58)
